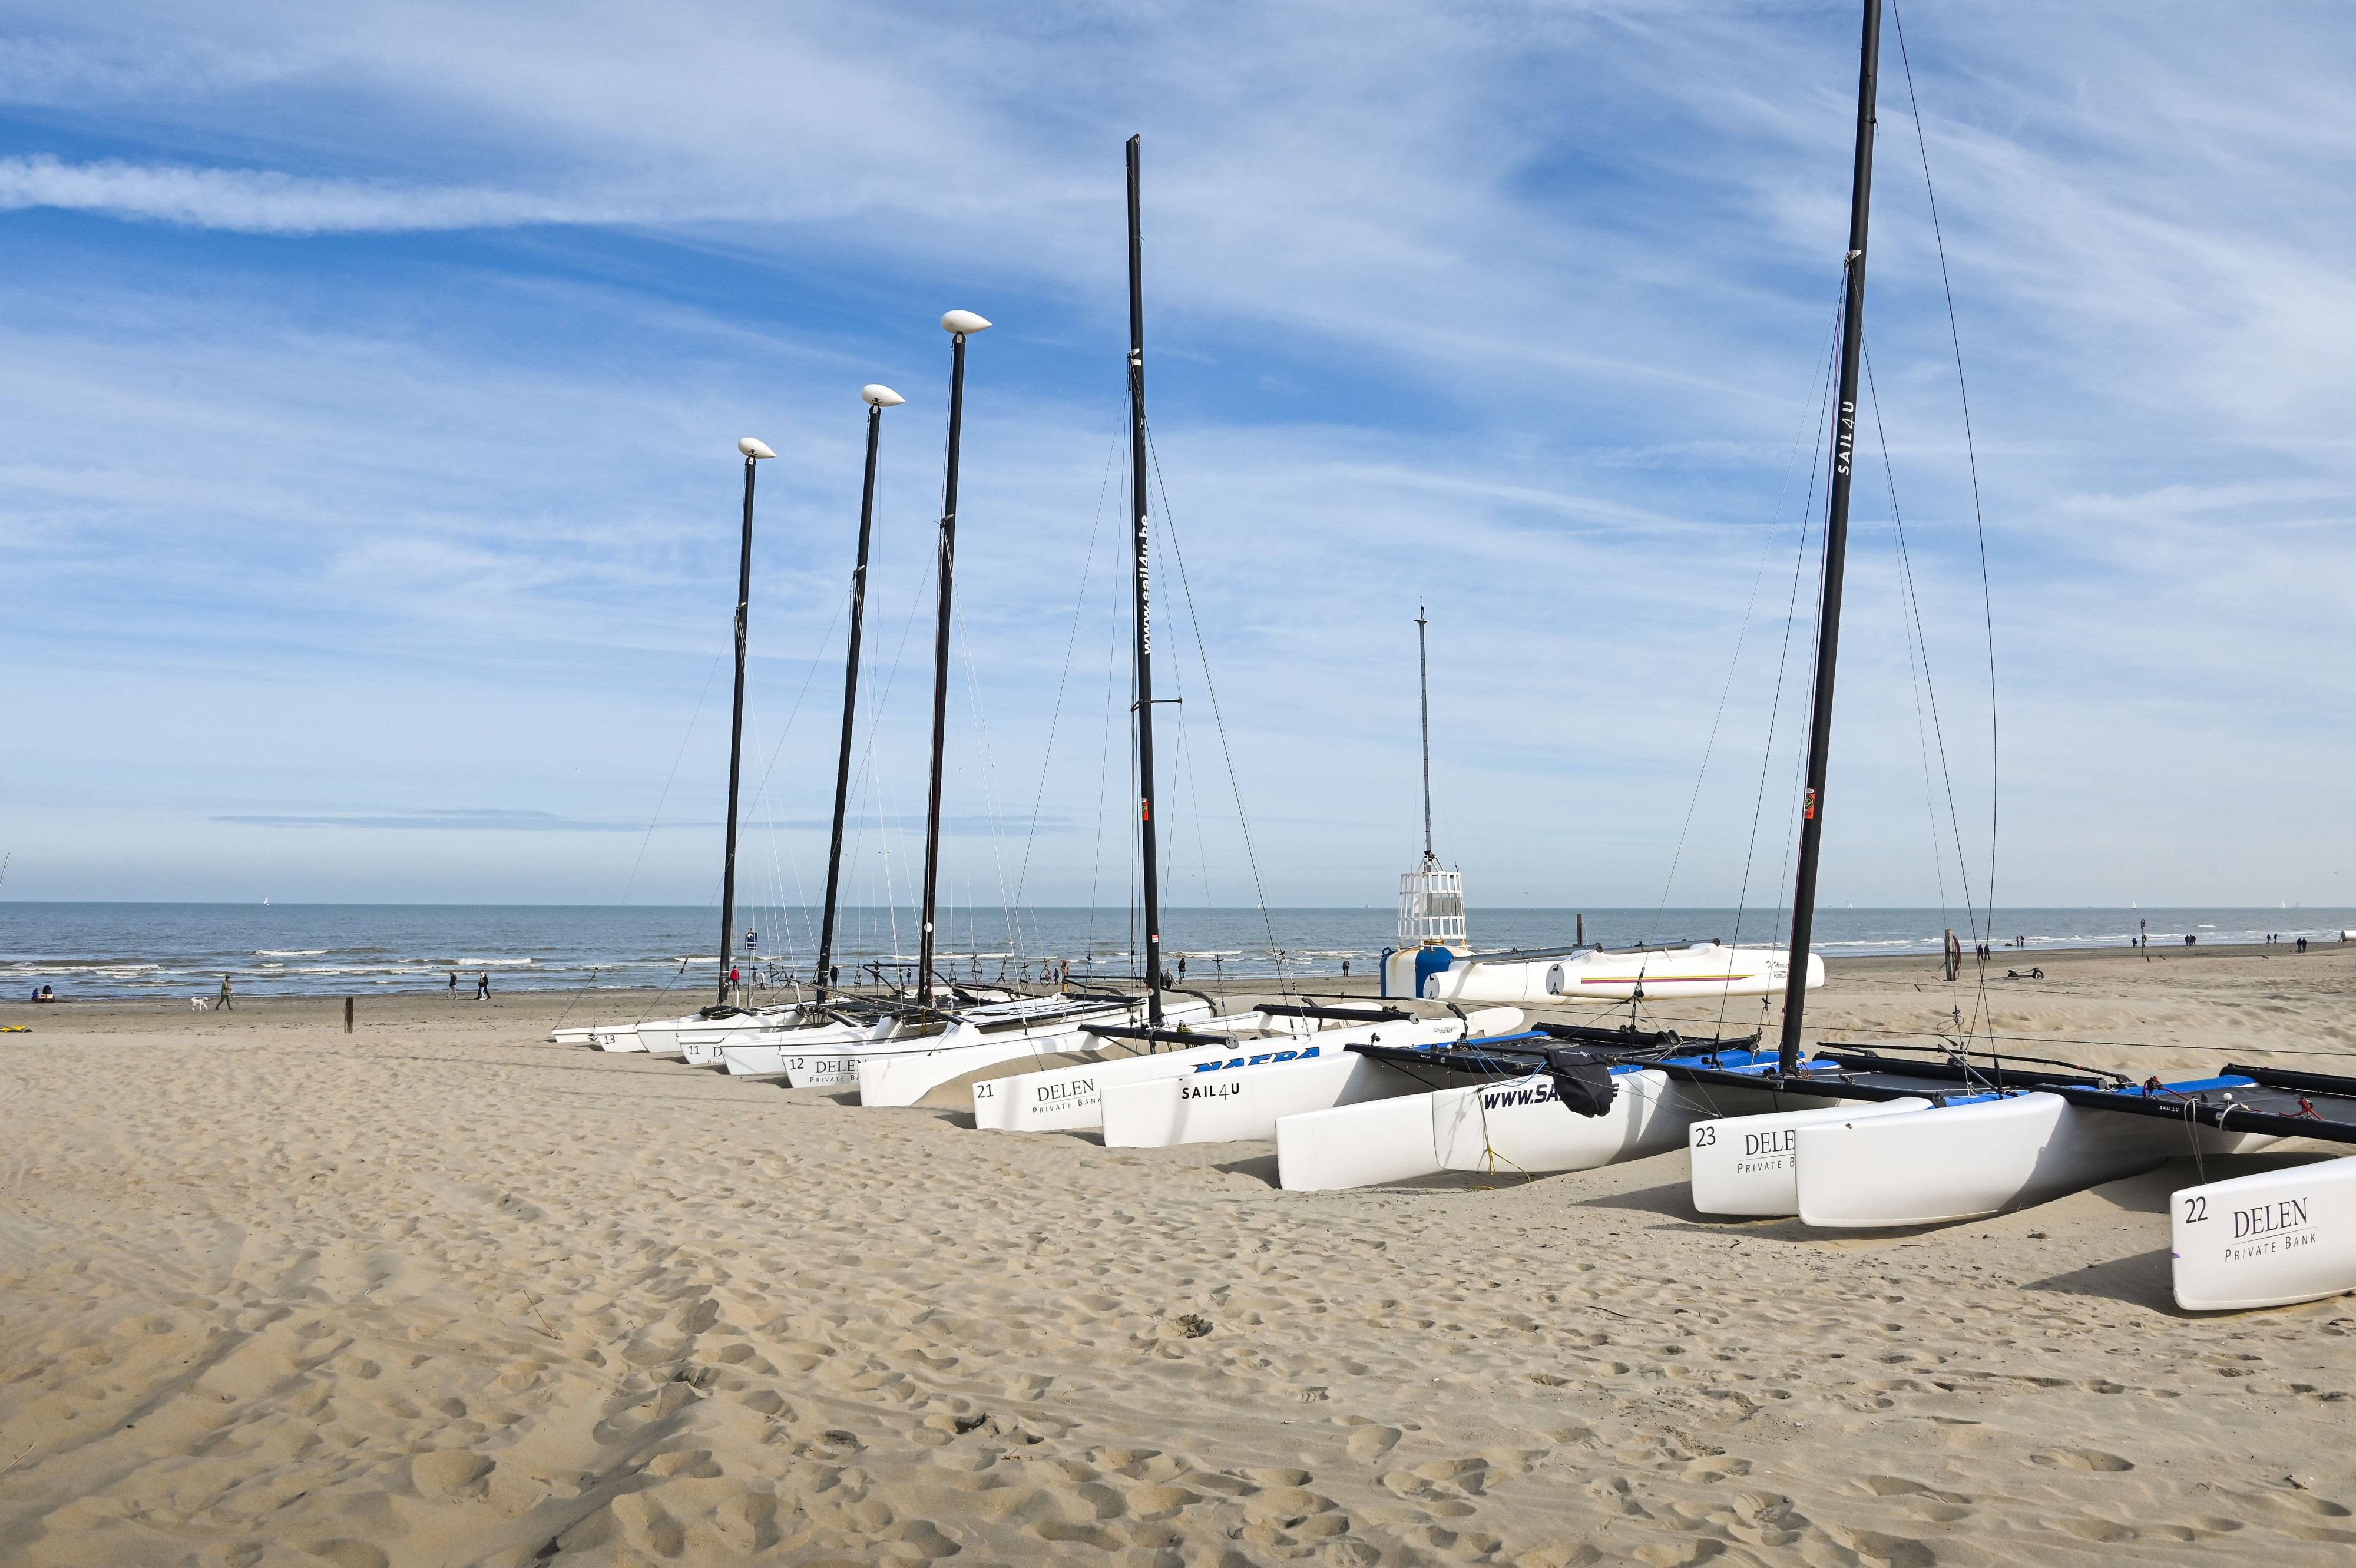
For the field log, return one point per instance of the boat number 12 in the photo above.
(2196, 1209)
(1705, 1136)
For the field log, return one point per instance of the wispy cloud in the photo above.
(460, 821)
(494, 821)
(263, 201)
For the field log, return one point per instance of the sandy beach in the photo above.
(439, 1292)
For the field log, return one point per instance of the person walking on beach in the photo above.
(483, 986)
(454, 985)
(224, 1005)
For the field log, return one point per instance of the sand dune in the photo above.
(438, 1293)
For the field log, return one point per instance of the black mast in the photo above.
(1820, 724)
(957, 323)
(1151, 875)
(754, 452)
(878, 399)
(1423, 689)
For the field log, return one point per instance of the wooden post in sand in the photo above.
(347, 1015)
(1954, 956)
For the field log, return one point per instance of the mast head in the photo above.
(963, 323)
(755, 449)
(881, 396)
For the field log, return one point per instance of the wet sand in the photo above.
(439, 1292)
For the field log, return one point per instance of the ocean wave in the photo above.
(289, 953)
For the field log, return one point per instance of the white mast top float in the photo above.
(962, 322)
(753, 448)
(881, 396)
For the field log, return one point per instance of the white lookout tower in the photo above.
(1431, 901)
(1431, 906)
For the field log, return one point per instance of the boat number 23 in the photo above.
(1705, 1136)
(2196, 1209)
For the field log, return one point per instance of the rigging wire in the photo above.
(891, 677)
(1210, 687)
(1071, 642)
(1912, 610)
(1733, 666)
(1970, 454)
(1783, 653)
(761, 790)
(1910, 625)
(1104, 772)
(669, 778)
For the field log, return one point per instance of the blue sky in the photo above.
(375, 374)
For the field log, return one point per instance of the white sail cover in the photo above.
(1701, 969)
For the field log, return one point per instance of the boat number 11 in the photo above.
(2196, 1209)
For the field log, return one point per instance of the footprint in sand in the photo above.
(450, 1475)
(1894, 1550)
(2080, 1459)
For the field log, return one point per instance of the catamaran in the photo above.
(2276, 1236)
(1944, 1139)
(1562, 1097)
(1275, 1034)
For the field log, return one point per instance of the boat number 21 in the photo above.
(2196, 1209)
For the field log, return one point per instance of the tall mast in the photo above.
(1423, 689)
(1151, 876)
(878, 399)
(957, 324)
(754, 452)
(1820, 723)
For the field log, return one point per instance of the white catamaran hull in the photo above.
(668, 1037)
(1749, 1164)
(897, 1075)
(792, 1053)
(1522, 1126)
(699, 1039)
(2267, 1239)
(601, 1036)
(1516, 1125)
(1073, 1097)
(1220, 1106)
(1704, 970)
(1056, 1099)
(1966, 1161)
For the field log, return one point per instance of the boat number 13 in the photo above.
(2196, 1209)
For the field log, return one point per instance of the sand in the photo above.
(441, 1293)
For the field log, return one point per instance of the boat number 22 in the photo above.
(2196, 1209)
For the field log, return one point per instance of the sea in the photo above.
(89, 950)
